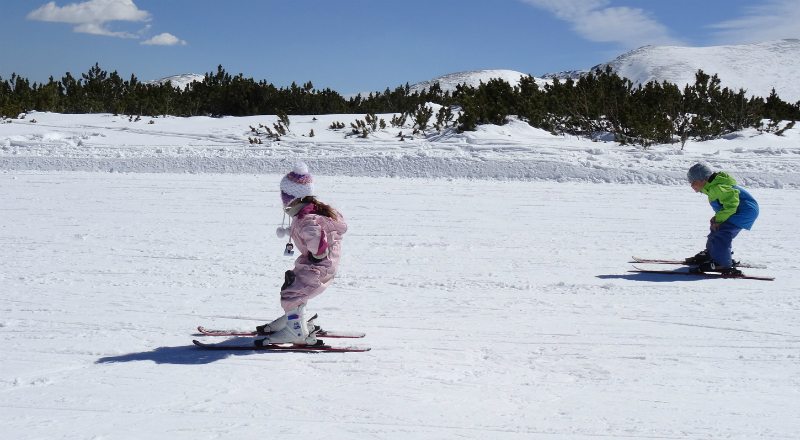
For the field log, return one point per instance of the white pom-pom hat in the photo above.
(297, 184)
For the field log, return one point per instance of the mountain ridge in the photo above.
(757, 68)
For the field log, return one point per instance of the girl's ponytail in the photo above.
(321, 208)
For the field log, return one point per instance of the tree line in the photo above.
(218, 94)
(602, 102)
(599, 102)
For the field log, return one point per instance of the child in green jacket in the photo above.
(734, 209)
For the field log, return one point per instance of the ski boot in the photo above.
(700, 258)
(295, 330)
(280, 323)
(730, 272)
(312, 326)
(273, 326)
(706, 266)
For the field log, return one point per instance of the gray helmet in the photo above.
(699, 171)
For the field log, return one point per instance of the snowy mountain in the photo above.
(179, 81)
(472, 78)
(566, 74)
(757, 68)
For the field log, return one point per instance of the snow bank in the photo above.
(515, 151)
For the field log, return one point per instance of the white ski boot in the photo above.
(273, 326)
(311, 324)
(280, 323)
(294, 331)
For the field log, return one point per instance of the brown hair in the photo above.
(322, 208)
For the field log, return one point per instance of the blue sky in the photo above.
(364, 45)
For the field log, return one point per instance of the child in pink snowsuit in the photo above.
(316, 230)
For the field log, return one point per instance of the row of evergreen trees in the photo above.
(602, 102)
(218, 94)
(599, 102)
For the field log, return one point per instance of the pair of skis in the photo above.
(247, 338)
(687, 273)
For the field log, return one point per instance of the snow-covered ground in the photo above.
(497, 306)
(494, 309)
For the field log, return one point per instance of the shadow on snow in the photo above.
(652, 277)
(181, 355)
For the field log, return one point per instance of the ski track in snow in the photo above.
(495, 308)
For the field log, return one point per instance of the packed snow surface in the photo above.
(494, 309)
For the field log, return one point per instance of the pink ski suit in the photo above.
(315, 234)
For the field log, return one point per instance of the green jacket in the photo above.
(730, 201)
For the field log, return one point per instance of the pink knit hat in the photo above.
(297, 184)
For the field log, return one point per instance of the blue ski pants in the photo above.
(720, 243)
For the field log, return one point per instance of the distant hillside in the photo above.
(472, 78)
(757, 68)
(179, 81)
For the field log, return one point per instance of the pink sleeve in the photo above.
(323, 243)
(312, 236)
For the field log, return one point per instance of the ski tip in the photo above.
(353, 349)
(340, 334)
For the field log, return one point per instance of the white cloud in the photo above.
(99, 29)
(165, 39)
(92, 16)
(594, 20)
(773, 20)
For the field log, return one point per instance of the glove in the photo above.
(288, 279)
(714, 225)
(282, 232)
